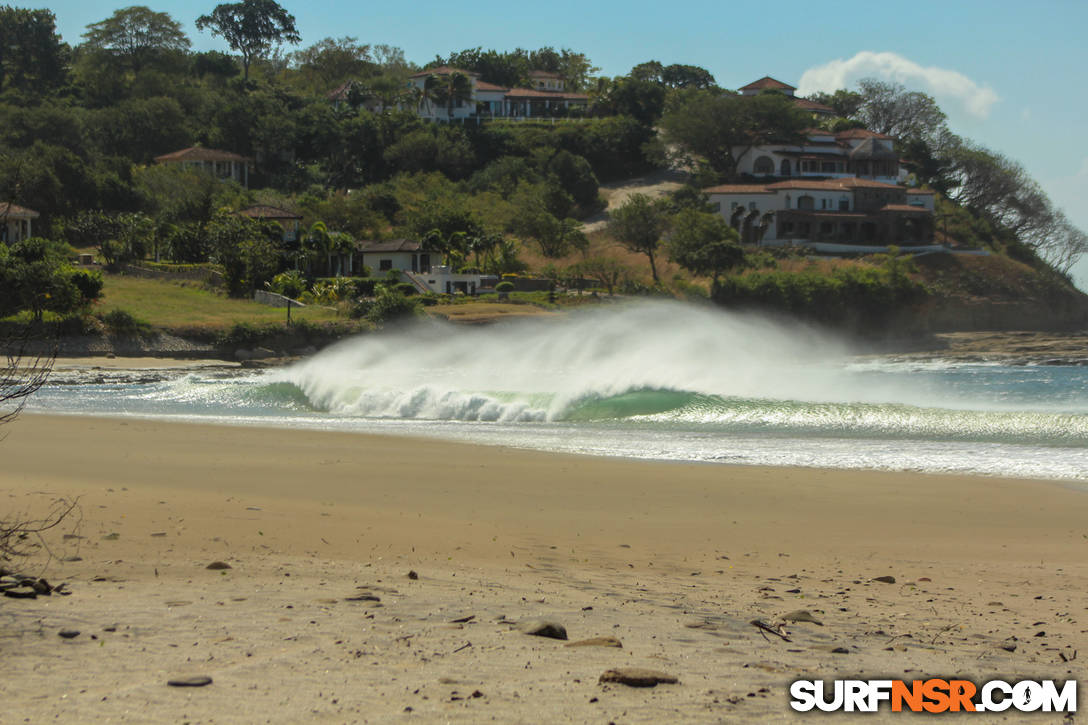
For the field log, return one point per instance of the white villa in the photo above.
(547, 97)
(825, 154)
(830, 215)
(222, 164)
(15, 222)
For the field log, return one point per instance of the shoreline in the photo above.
(672, 559)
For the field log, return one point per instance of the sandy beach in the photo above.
(673, 560)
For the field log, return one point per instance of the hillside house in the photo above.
(286, 219)
(221, 164)
(766, 83)
(840, 215)
(548, 97)
(856, 153)
(16, 222)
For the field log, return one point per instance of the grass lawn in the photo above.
(172, 305)
(484, 311)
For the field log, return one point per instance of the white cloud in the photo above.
(944, 84)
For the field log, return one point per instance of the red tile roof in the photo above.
(442, 70)
(485, 86)
(807, 105)
(861, 133)
(395, 245)
(834, 184)
(532, 93)
(768, 83)
(920, 192)
(817, 132)
(738, 189)
(544, 74)
(267, 212)
(199, 153)
(905, 208)
(7, 209)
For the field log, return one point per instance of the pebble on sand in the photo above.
(638, 677)
(597, 642)
(544, 628)
(196, 681)
(217, 565)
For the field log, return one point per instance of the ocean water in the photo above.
(650, 380)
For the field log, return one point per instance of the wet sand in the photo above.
(674, 560)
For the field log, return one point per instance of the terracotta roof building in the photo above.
(223, 164)
(845, 215)
(16, 222)
(287, 219)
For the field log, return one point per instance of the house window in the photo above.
(384, 265)
(823, 203)
(844, 205)
(787, 228)
(764, 166)
(806, 202)
(826, 228)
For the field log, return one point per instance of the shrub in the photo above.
(289, 284)
(124, 324)
(504, 286)
(391, 305)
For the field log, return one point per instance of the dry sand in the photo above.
(673, 560)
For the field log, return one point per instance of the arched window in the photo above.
(764, 166)
(784, 168)
(806, 202)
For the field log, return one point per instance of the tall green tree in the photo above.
(251, 27)
(331, 61)
(638, 224)
(137, 34)
(32, 56)
(721, 128)
(35, 275)
(704, 244)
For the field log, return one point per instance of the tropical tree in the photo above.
(32, 55)
(251, 27)
(451, 89)
(137, 34)
(721, 128)
(704, 244)
(638, 224)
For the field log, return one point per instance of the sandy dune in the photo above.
(673, 560)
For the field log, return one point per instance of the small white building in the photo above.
(221, 164)
(402, 255)
(16, 222)
(286, 219)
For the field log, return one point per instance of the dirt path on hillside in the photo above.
(654, 185)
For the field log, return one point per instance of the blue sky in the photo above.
(1008, 74)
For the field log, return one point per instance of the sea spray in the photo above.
(535, 369)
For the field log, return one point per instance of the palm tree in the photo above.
(319, 241)
(764, 225)
(453, 88)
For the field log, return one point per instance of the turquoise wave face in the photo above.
(682, 410)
